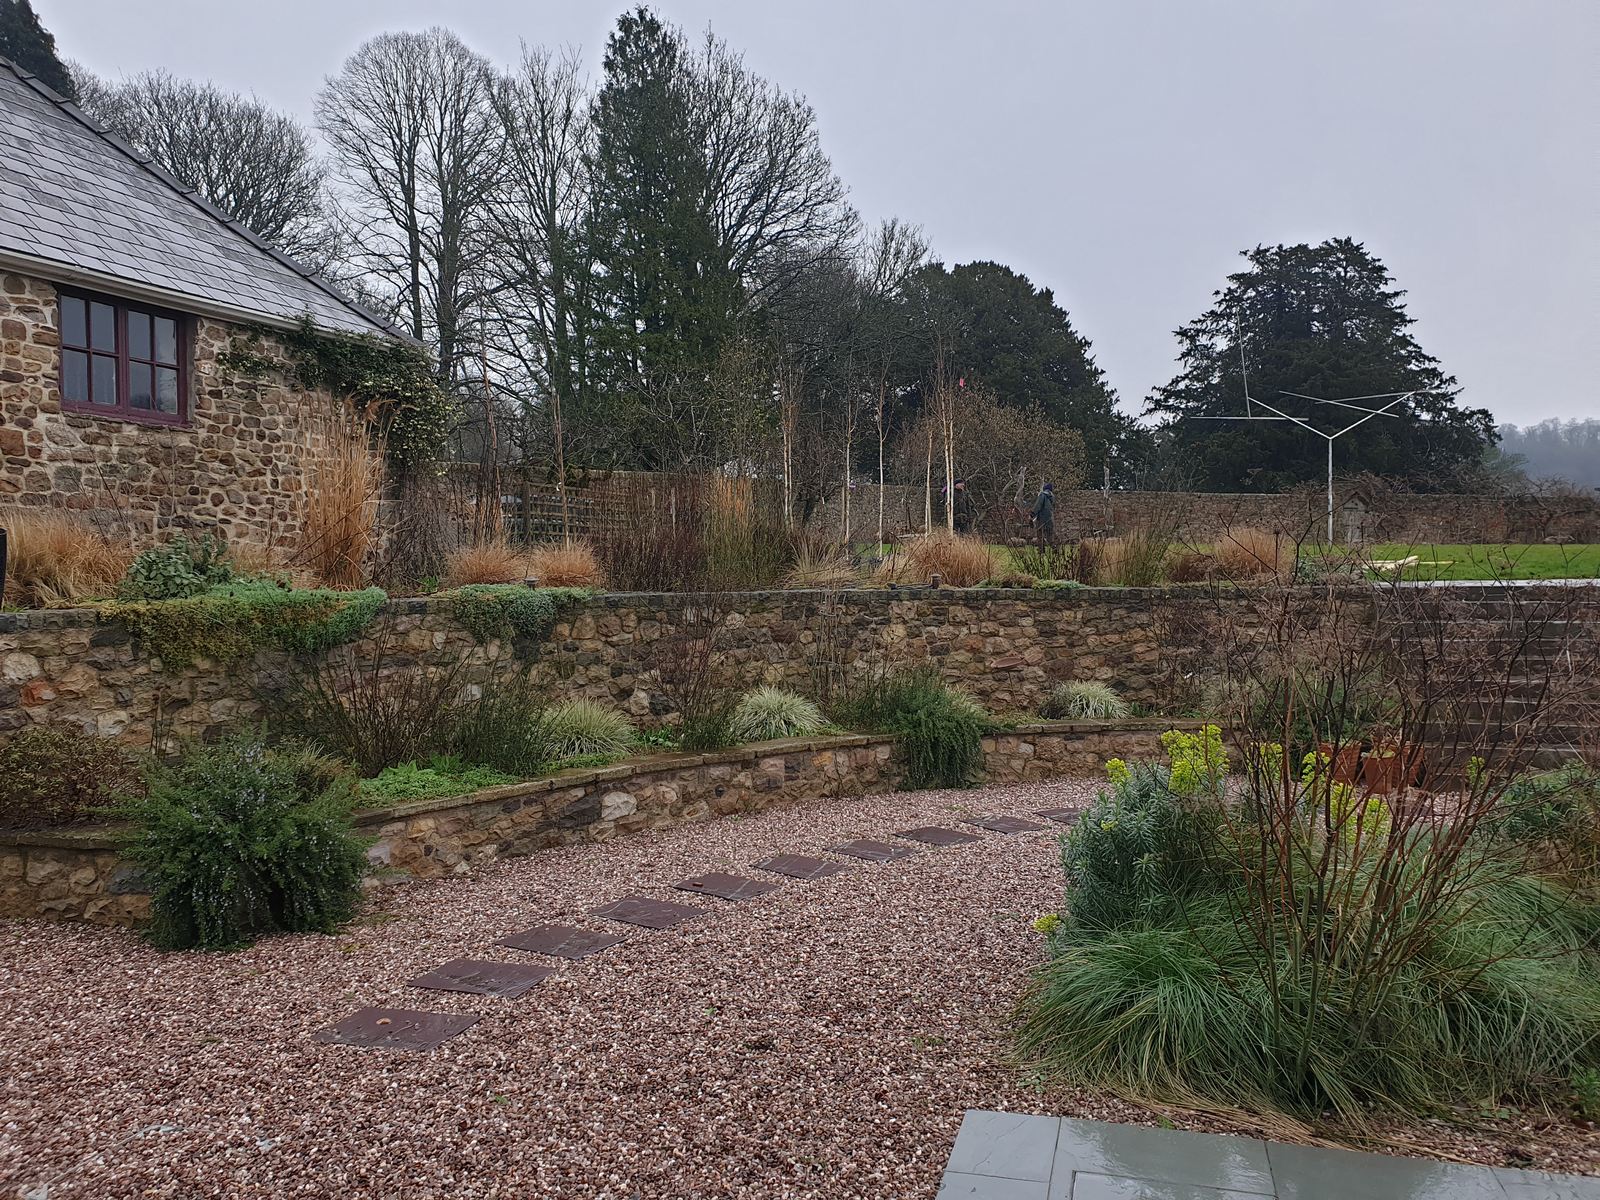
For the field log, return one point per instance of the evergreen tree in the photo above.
(1321, 321)
(28, 44)
(1012, 339)
(667, 300)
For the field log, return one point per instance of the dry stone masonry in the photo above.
(1006, 647)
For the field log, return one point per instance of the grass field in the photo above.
(1487, 561)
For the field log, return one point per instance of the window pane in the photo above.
(75, 375)
(138, 334)
(139, 395)
(103, 326)
(167, 390)
(166, 340)
(73, 320)
(105, 379)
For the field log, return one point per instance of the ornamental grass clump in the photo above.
(585, 729)
(503, 728)
(958, 561)
(55, 558)
(1084, 700)
(568, 565)
(237, 840)
(766, 713)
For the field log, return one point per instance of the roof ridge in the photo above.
(146, 163)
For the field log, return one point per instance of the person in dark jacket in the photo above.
(962, 508)
(1043, 516)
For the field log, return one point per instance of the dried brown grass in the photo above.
(819, 566)
(492, 562)
(57, 558)
(1138, 559)
(958, 561)
(1249, 552)
(344, 479)
(572, 564)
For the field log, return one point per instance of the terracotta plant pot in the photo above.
(1390, 769)
(1346, 764)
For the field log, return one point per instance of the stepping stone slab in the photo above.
(873, 851)
(799, 866)
(1061, 816)
(396, 1029)
(1002, 824)
(651, 913)
(934, 835)
(482, 978)
(562, 941)
(728, 887)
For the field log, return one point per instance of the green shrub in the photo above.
(587, 730)
(177, 569)
(765, 713)
(503, 728)
(938, 730)
(1047, 564)
(231, 621)
(501, 610)
(1197, 762)
(51, 775)
(1140, 853)
(441, 778)
(237, 840)
(1084, 700)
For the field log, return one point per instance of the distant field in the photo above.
(1494, 561)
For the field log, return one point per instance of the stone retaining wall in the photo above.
(77, 874)
(1008, 647)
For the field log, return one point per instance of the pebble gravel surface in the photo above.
(819, 1041)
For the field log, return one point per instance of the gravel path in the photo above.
(820, 1041)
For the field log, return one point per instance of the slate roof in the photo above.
(75, 195)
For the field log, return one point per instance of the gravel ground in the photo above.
(820, 1041)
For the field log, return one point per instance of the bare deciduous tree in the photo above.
(416, 152)
(775, 205)
(539, 264)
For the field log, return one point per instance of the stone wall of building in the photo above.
(1007, 647)
(78, 875)
(238, 464)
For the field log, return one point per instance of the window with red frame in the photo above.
(122, 359)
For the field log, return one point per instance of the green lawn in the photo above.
(1484, 561)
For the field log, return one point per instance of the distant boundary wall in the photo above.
(1360, 515)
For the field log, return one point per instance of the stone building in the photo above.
(120, 292)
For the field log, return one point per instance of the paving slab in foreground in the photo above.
(1014, 1156)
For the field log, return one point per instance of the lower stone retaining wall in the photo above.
(78, 875)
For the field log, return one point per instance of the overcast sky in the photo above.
(1120, 152)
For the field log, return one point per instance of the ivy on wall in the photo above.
(228, 624)
(391, 383)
